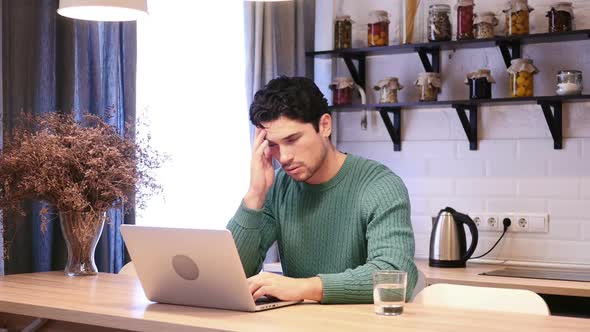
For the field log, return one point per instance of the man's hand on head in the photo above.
(262, 172)
(285, 288)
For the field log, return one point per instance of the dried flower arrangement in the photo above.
(83, 166)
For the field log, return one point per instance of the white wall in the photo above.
(515, 169)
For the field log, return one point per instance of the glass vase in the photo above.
(81, 231)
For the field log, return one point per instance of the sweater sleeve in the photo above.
(390, 244)
(254, 231)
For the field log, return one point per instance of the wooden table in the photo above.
(470, 276)
(117, 301)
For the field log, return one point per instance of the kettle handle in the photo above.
(474, 236)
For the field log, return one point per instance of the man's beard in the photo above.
(308, 171)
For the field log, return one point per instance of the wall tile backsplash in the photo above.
(515, 169)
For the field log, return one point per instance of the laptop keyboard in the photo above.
(266, 299)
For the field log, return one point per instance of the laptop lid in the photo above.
(192, 267)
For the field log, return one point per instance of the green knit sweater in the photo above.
(341, 230)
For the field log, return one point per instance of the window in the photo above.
(191, 88)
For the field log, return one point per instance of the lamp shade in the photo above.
(103, 10)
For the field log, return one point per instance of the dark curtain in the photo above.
(52, 63)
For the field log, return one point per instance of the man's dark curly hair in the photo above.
(296, 98)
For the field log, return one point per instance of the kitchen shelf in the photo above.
(429, 53)
(550, 105)
(450, 103)
(537, 38)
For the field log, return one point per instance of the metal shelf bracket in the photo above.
(553, 115)
(393, 128)
(358, 75)
(430, 65)
(469, 125)
(506, 46)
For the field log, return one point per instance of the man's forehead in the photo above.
(283, 123)
(282, 128)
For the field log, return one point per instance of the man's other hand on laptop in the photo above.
(285, 288)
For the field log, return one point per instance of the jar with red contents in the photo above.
(378, 28)
(342, 89)
(465, 19)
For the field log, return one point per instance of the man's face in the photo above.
(298, 147)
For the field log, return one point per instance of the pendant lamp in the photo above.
(103, 10)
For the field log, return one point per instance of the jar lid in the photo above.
(464, 3)
(569, 72)
(486, 17)
(342, 82)
(343, 18)
(562, 7)
(566, 4)
(518, 5)
(390, 82)
(521, 60)
(429, 78)
(377, 16)
(522, 64)
(440, 7)
(481, 73)
(487, 14)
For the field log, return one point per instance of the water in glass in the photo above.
(389, 298)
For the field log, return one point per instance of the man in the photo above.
(337, 218)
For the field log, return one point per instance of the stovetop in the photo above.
(552, 274)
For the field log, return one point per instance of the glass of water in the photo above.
(389, 292)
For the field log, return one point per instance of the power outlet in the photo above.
(519, 222)
(485, 222)
(535, 222)
(477, 220)
(492, 223)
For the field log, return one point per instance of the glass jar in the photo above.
(429, 85)
(465, 19)
(439, 23)
(561, 17)
(342, 89)
(517, 17)
(569, 82)
(480, 84)
(342, 32)
(378, 28)
(388, 88)
(484, 25)
(521, 74)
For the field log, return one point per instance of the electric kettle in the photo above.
(447, 240)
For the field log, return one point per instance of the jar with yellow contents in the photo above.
(378, 28)
(517, 17)
(522, 82)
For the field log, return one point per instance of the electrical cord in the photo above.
(506, 222)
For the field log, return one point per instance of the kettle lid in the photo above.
(448, 209)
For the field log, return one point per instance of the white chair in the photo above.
(483, 298)
(128, 269)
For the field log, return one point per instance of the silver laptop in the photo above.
(193, 267)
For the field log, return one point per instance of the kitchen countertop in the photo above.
(470, 275)
(114, 301)
(564, 298)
